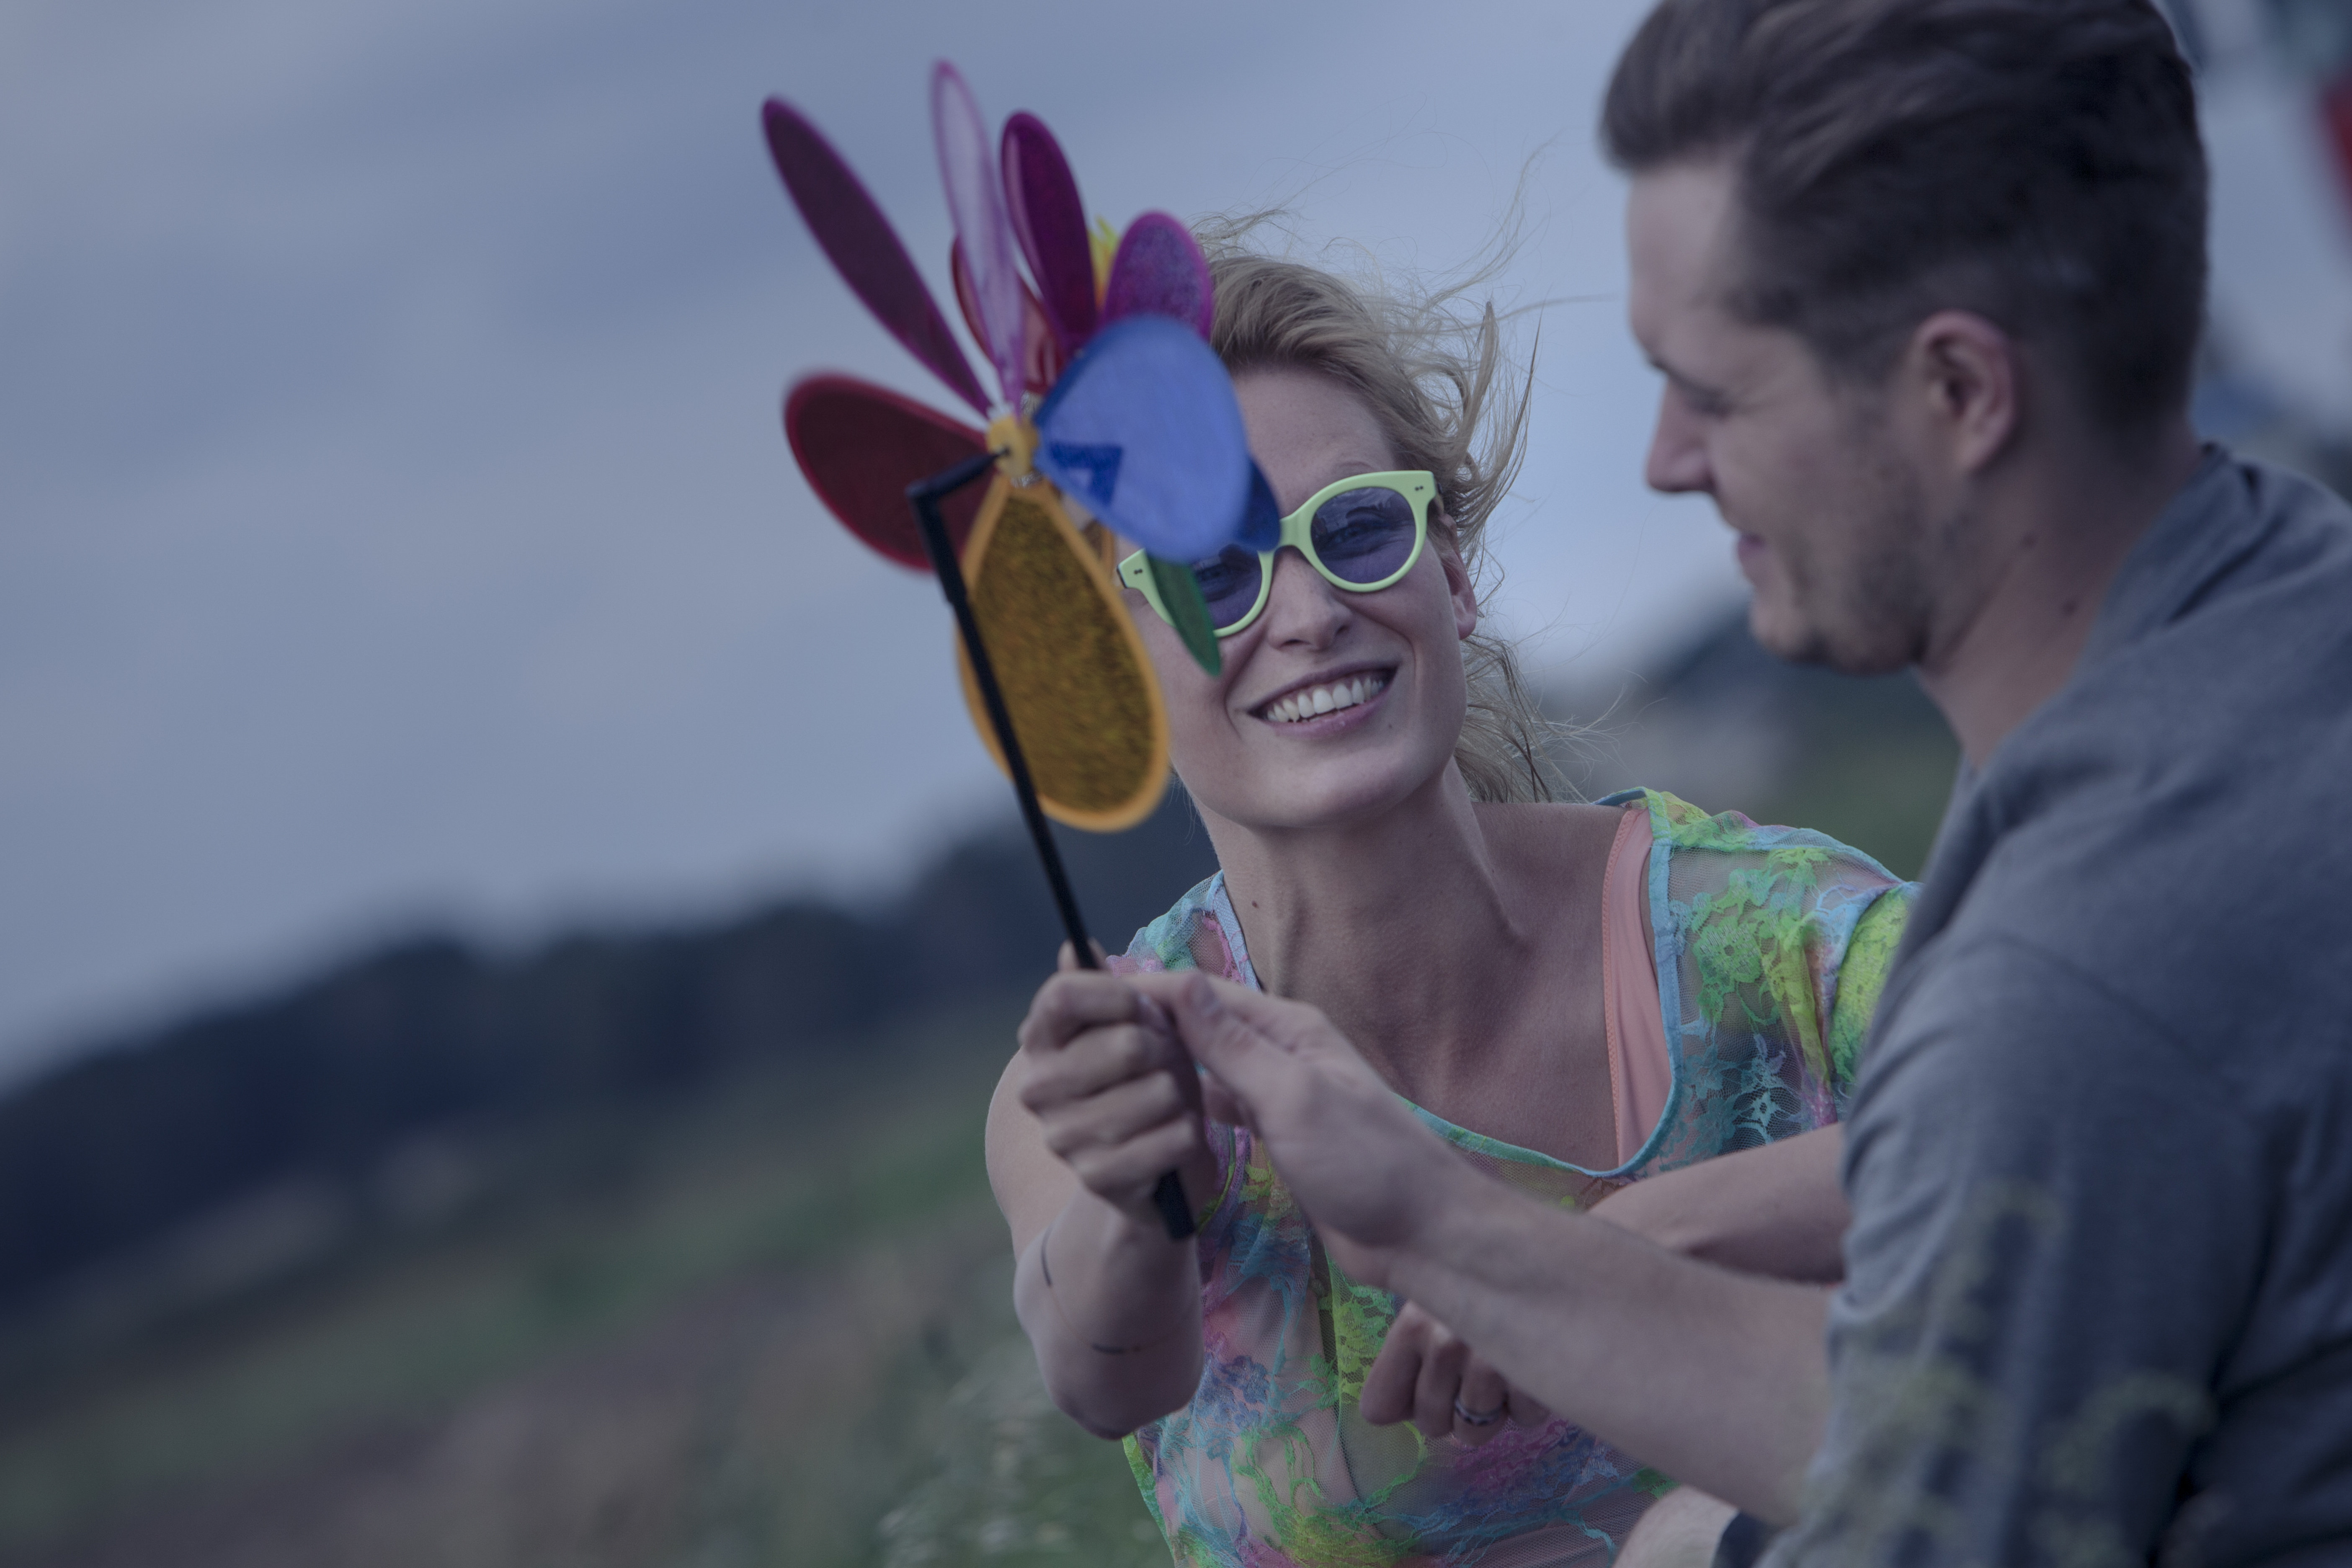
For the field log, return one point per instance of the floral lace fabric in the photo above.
(1773, 944)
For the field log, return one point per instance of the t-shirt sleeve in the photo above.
(2058, 1213)
(1862, 980)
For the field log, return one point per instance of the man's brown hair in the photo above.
(2036, 161)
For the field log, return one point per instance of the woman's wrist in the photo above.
(1115, 1280)
(1061, 1311)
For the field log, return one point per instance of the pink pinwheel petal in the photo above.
(860, 445)
(976, 202)
(1160, 271)
(1041, 196)
(1044, 362)
(853, 234)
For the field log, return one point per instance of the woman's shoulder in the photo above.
(1729, 841)
(1748, 904)
(1199, 931)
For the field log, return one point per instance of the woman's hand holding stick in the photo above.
(1100, 1101)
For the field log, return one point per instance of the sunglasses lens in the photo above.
(1229, 582)
(1364, 536)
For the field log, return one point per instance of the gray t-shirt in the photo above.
(2098, 1304)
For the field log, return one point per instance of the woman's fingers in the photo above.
(1387, 1394)
(1115, 1114)
(1440, 1383)
(1115, 1095)
(1099, 1059)
(1072, 1003)
(1527, 1410)
(1482, 1403)
(1124, 1174)
(1426, 1374)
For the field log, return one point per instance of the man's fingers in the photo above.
(1215, 1028)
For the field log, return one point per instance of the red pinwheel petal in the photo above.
(860, 445)
(858, 239)
(1042, 196)
(1160, 271)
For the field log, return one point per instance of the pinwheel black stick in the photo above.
(925, 495)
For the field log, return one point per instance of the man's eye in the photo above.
(1704, 404)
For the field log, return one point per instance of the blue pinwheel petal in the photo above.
(1261, 523)
(1143, 430)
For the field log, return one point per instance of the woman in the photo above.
(1577, 996)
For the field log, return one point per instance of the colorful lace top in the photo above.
(1771, 945)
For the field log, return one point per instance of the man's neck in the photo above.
(2055, 541)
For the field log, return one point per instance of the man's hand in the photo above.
(1715, 1377)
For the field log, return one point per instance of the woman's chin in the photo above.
(1329, 793)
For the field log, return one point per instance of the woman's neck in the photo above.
(1404, 929)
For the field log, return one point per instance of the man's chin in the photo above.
(1796, 638)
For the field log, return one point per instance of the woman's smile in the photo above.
(1325, 704)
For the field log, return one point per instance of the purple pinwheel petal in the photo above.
(976, 201)
(1161, 271)
(1142, 431)
(853, 234)
(860, 445)
(1042, 196)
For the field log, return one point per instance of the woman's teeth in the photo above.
(1317, 700)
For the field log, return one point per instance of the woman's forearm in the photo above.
(1113, 1310)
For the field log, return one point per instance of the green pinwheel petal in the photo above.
(1187, 611)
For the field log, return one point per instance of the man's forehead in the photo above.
(1678, 224)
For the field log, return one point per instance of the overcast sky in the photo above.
(394, 523)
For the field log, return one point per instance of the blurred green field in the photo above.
(771, 1326)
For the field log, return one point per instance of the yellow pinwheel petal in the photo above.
(1085, 704)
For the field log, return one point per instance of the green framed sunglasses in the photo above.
(1363, 533)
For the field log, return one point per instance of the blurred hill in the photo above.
(669, 1245)
(187, 1164)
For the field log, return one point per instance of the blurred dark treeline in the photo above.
(367, 1094)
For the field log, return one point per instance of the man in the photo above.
(1925, 278)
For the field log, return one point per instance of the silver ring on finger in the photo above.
(1480, 1417)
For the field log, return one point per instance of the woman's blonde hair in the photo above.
(1437, 378)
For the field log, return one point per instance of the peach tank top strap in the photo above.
(1641, 1073)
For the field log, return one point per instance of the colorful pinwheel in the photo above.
(1112, 408)
(1109, 398)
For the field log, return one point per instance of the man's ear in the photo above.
(1965, 375)
(1457, 576)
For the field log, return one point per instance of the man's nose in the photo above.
(1678, 461)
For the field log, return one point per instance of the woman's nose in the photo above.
(1301, 608)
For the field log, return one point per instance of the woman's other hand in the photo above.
(1426, 1374)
